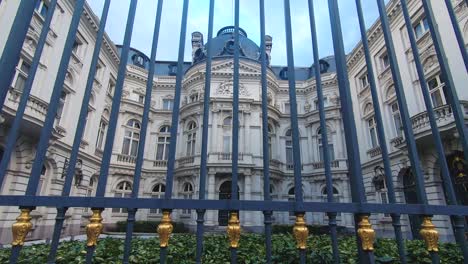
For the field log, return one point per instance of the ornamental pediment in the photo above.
(228, 68)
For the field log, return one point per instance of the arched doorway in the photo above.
(409, 189)
(459, 176)
(225, 192)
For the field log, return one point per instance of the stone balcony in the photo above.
(36, 108)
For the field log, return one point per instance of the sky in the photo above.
(249, 21)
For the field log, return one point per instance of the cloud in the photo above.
(249, 20)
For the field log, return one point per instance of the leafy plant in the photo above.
(216, 250)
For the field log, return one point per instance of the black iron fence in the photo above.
(359, 206)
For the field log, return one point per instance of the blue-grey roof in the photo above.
(222, 47)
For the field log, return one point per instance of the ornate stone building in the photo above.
(220, 116)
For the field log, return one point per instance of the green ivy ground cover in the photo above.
(252, 250)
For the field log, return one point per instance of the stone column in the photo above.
(248, 196)
(210, 218)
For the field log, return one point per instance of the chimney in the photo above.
(268, 46)
(197, 46)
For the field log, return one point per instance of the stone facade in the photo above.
(186, 181)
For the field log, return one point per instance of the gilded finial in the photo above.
(429, 234)
(234, 230)
(300, 231)
(366, 233)
(165, 229)
(94, 228)
(22, 227)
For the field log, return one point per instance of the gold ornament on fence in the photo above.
(301, 232)
(94, 228)
(22, 227)
(165, 229)
(234, 230)
(429, 234)
(366, 233)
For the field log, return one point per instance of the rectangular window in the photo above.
(372, 132)
(101, 134)
(420, 27)
(42, 8)
(385, 61)
(325, 103)
(287, 108)
(364, 81)
(331, 152)
(168, 104)
(22, 74)
(162, 150)
(61, 106)
(226, 144)
(437, 91)
(289, 153)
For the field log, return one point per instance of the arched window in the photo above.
(187, 193)
(91, 191)
(164, 138)
(40, 187)
(191, 138)
(131, 138)
(380, 185)
(157, 192)
(336, 199)
(331, 150)
(123, 189)
(289, 150)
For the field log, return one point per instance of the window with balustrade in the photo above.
(437, 90)
(131, 138)
(22, 72)
(331, 150)
(289, 149)
(164, 139)
(191, 138)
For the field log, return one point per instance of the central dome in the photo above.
(223, 45)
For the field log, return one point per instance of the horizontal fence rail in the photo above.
(359, 205)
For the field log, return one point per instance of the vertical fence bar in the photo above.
(324, 131)
(447, 76)
(410, 140)
(447, 181)
(143, 132)
(265, 134)
(354, 162)
(78, 135)
(13, 46)
(49, 120)
(15, 127)
(458, 32)
(204, 149)
(165, 230)
(233, 218)
(381, 132)
(300, 229)
(96, 219)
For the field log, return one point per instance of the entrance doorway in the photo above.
(409, 189)
(225, 192)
